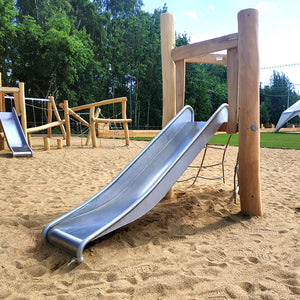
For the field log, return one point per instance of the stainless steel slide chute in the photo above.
(14, 134)
(140, 186)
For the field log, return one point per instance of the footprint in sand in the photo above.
(111, 277)
(132, 280)
(236, 292)
(248, 287)
(36, 270)
(19, 265)
(253, 259)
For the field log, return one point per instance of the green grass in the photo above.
(148, 139)
(267, 139)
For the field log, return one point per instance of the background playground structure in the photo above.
(18, 101)
(94, 118)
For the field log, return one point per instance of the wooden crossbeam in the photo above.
(98, 120)
(215, 59)
(72, 112)
(205, 47)
(100, 103)
(9, 89)
(46, 126)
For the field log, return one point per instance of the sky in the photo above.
(279, 28)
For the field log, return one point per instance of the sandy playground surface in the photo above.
(196, 246)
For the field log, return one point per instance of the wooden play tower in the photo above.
(242, 62)
(19, 102)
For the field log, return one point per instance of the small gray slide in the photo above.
(139, 187)
(14, 135)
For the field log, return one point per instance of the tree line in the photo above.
(277, 97)
(89, 50)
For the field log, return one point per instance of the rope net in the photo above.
(202, 166)
(112, 129)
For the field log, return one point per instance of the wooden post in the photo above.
(23, 108)
(89, 138)
(17, 102)
(46, 143)
(62, 128)
(232, 82)
(2, 144)
(125, 124)
(180, 84)
(67, 122)
(98, 110)
(92, 126)
(2, 99)
(49, 111)
(59, 144)
(167, 29)
(2, 102)
(29, 140)
(249, 139)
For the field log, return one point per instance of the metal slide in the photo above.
(14, 134)
(139, 187)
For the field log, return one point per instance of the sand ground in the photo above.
(195, 246)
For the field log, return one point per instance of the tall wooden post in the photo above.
(93, 127)
(89, 138)
(2, 99)
(180, 84)
(249, 138)
(2, 144)
(62, 128)
(125, 124)
(167, 29)
(232, 82)
(49, 111)
(29, 140)
(67, 122)
(23, 108)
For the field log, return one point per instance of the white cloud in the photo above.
(266, 6)
(191, 14)
(211, 8)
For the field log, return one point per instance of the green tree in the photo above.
(143, 56)
(277, 96)
(83, 51)
(53, 57)
(206, 85)
(7, 34)
(264, 114)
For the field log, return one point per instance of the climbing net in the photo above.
(37, 112)
(33, 105)
(112, 129)
(202, 166)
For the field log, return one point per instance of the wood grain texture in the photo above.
(249, 138)
(205, 47)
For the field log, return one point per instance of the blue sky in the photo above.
(279, 28)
